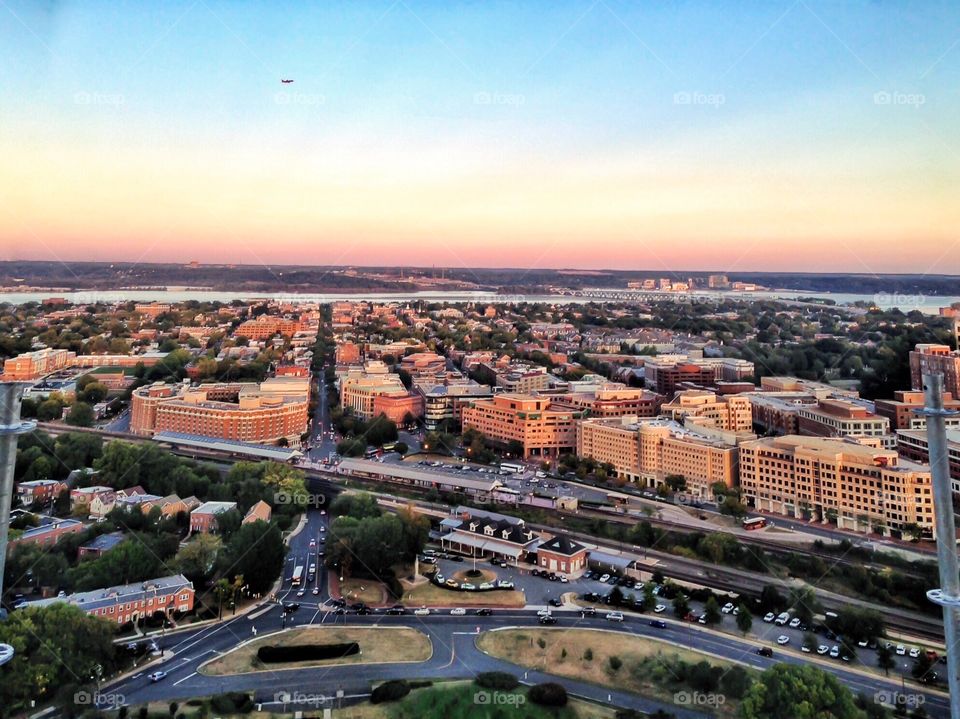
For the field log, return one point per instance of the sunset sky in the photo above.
(780, 135)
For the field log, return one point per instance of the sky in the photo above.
(723, 136)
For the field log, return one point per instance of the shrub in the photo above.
(588, 655)
(232, 703)
(306, 652)
(548, 694)
(390, 691)
(615, 663)
(497, 680)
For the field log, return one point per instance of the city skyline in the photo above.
(798, 136)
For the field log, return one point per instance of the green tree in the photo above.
(885, 658)
(80, 415)
(712, 611)
(197, 559)
(681, 605)
(798, 691)
(255, 551)
(744, 619)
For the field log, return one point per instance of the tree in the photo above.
(922, 666)
(712, 611)
(799, 691)
(771, 600)
(718, 547)
(77, 450)
(681, 605)
(885, 658)
(744, 619)
(50, 409)
(80, 415)
(805, 604)
(255, 551)
(197, 558)
(401, 448)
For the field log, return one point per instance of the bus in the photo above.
(389, 446)
(754, 523)
(512, 467)
(371, 453)
(297, 576)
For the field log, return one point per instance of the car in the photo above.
(452, 583)
(544, 613)
(455, 558)
(765, 652)
(458, 611)
(805, 648)
(428, 560)
(549, 619)
(612, 580)
(702, 619)
(301, 592)
(504, 584)
(421, 612)
(338, 602)
(483, 612)
(769, 617)
(863, 643)
(553, 577)
(156, 676)
(727, 608)
(535, 572)
(658, 623)
(823, 649)
(563, 579)
(834, 651)
(660, 609)
(914, 653)
(795, 623)
(901, 650)
(782, 619)
(316, 591)
(554, 602)
(291, 606)
(587, 575)
(487, 585)
(783, 639)
(614, 616)
(588, 612)
(638, 586)
(468, 586)
(396, 610)
(605, 578)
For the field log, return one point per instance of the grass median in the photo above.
(377, 645)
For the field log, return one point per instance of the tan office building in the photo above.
(863, 488)
(728, 412)
(544, 429)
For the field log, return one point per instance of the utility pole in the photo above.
(11, 426)
(948, 595)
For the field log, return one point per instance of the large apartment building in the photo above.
(912, 444)
(614, 400)
(275, 410)
(665, 376)
(132, 602)
(935, 359)
(701, 407)
(544, 429)
(841, 418)
(370, 395)
(648, 451)
(444, 399)
(265, 326)
(862, 488)
(902, 409)
(33, 365)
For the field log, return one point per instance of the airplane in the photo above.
(286, 82)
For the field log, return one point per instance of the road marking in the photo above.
(184, 679)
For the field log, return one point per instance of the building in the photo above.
(912, 444)
(100, 545)
(522, 379)
(701, 407)
(777, 412)
(648, 451)
(444, 400)
(935, 359)
(614, 400)
(152, 309)
(484, 534)
(204, 518)
(265, 326)
(542, 428)
(902, 409)
(93, 498)
(132, 602)
(33, 365)
(48, 532)
(274, 411)
(664, 376)
(371, 394)
(39, 491)
(347, 353)
(260, 512)
(482, 487)
(859, 487)
(562, 554)
(423, 363)
(842, 418)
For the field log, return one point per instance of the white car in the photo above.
(638, 586)
(422, 611)
(659, 609)
(823, 649)
(863, 643)
(769, 617)
(901, 650)
(605, 578)
(804, 648)
(795, 622)
(782, 619)
(783, 639)
(544, 613)
(458, 611)
(563, 579)
(914, 653)
(727, 608)
(834, 651)
(615, 617)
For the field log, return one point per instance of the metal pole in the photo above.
(948, 595)
(10, 427)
